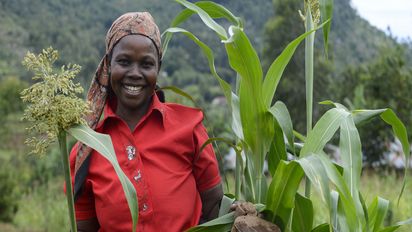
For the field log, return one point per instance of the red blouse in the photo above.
(161, 158)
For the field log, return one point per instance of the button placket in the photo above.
(130, 152)
(145, 207)
(138, 176)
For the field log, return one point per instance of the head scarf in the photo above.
(141, 23)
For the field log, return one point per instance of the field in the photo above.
(43, 206)
(384, 184)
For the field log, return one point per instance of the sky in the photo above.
(397, 14)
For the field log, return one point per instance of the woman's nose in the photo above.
(135, 71)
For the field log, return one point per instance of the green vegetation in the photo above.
(365, 68)
(264, 130)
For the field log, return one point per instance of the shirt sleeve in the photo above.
(205, 166)
(84, 205)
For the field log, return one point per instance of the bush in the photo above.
(9, 195)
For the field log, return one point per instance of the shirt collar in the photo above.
(155, 106)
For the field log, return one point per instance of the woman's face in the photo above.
(134, 68)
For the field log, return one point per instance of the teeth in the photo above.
(133, 88)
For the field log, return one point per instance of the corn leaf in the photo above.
(283, 188)
(277, 151)
(103, 144)
(377, 212)
(277, 67)
(223, 223)
(322, 228)
(281, 114)
(302, 214)
(210, 57)
(320, 170)
(244, 60)
(214, 10)
(334, 209)
(351, 154)
(326, 13)
(323, 131)
(179, 92)
(205, 17)
(254, 120)
(399, 130)
(225, 205)
(361, 116)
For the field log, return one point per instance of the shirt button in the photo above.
(131, 152)
(145, 207)
(137, 176)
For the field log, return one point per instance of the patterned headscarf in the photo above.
(141, 23)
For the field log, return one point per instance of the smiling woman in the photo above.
(134, 67)
(158, 145)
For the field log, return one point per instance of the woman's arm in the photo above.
(90, 225)
(211, 199)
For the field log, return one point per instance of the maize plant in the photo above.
(264, 130)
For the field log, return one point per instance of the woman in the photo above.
(157, 144)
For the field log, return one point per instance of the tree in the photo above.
(383, 82)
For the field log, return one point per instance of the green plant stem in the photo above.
(68, 179)
(238, 175)
(309, 45)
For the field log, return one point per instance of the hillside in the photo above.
(77, 28)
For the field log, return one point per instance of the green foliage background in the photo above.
(366, 67)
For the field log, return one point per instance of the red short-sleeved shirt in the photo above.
(161, 159)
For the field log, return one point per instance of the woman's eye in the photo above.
(148, 64)
(123, 62)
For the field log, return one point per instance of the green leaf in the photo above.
(320, 169)
(322, 228)
(326, 12)
(179, 92)
(210, 57)
(225, 205)
(276, 69)
(281, 113)
(223, 223)
(360, 116)
(377, 211)
(207, 20)
(103, 145)
(253, 115)
(225, 140)
(302, 214)
(398, 128)
(351, 154)
(283, 188)
(214, 10)
(390, 229)
(323, 131)
(334, 209)
(218, 11)
(277, 151)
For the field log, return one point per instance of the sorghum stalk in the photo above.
(68, 178)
